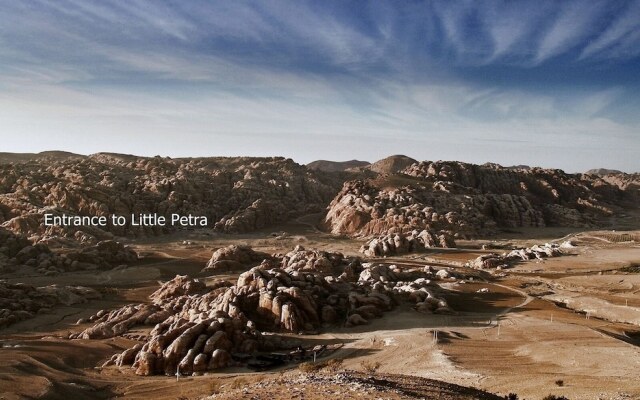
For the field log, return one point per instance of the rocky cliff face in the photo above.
(235, 194)
(470, 200)
(629, 183)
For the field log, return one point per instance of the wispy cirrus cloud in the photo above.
(433, 72)
(619, 39)
(573, 23)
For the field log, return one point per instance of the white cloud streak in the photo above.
(255, 77)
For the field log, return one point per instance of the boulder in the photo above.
(219, 359)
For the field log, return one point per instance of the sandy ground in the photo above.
(349, 386)
(511, 339)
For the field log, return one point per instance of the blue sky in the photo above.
(550, 83)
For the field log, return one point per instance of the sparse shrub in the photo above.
(554, 397)
(334, 364)
(631, 268)
(239, 383)
(370, 367)
(560, 382)
(511, 396)
(309, 367)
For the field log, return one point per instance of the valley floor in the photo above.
(565, 326)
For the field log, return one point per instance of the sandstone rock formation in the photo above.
(239, 195)
(235, 194)
(399, 243)
(469, 200)
(10, 246)
(324, 262)
(506, 260)
(628, 183)
(19, 301)
(105, 255)
(181, 285)
(16, 252)
(234, 257)
(198, 328)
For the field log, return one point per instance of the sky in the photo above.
(546, 83)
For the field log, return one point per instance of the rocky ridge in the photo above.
(468, 200)
(337, 166)
(235, 194)
(239, 195)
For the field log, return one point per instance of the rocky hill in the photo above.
(629, 183)
(43, 156)
(470, 200)
(199, 327)
(235, 194)
(392, 164)
(242, 194)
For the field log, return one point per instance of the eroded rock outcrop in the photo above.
(181, 285)
(19, 301)
(105, 255)
(400, 243)
(470, 200)
(506, 260)
(198, 328)
(18, 252)
(235, 194)
(234, 257)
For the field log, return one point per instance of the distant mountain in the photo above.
(52, 155)
(392, 164)
(336, 166)
(603, 171)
